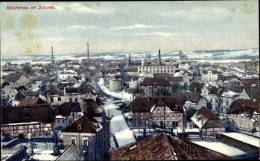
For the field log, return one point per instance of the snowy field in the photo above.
(244, 138)
(122, 95)
(118, 125)
(221, 148)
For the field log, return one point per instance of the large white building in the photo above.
(209, 76)
(157, 69)
(63, 75)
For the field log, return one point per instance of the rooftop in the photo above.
(163, 147)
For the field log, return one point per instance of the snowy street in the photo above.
(122, 95)
(119, 127)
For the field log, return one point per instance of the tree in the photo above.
(26, 69)
(218, 92)
(189, 113)
(176, 87)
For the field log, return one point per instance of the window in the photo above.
(63, 120)
(40, 134)
(51, 99)
(73, 140)
(76, 99)
(70, 99)
(85, 142)
(58, 120)
(59, 98)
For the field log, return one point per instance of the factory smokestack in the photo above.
(159, 57)
(129, 60)
(88, 51)
(52, 55)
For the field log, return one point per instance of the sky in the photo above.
(128, 26)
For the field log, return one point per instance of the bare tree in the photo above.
(218, 92)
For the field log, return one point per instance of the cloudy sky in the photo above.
(128, 26)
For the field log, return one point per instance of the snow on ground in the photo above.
(44, 155)
(244, 138)
(122, 95)
(180, 130)
(118, 125)
(221, 148)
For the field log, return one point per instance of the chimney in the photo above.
(88, 51)
(129, 60)
(159, 57)
(52, 55)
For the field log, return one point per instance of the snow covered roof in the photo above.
(243, 138)
(201, 117)
(229, 94)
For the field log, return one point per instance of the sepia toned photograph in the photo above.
(129, 80)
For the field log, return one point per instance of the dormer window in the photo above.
(80, 127)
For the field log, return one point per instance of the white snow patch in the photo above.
(125, 137)
(221, 148)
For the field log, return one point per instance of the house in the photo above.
(76, 94)
(207, 122)
(69, 94)
(28, 121)
(32, 75)
(63, 75)
(244, 114)
(190, 99)
(209, 75)
(158, 111)
(155, 87)
(66, 114)
(228, 81)
(36, 66)
(251, 87)
(29, 100)
(163, 146)
(17, 99)
(90, 134)
(184, 74)
(17, 79)
(7, 93)
(133, 71)
(184, 65)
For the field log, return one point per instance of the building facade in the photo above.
(157, 69)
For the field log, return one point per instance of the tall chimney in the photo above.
(52, 55)
(129, 60)
(159, 57)
(88, 51)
